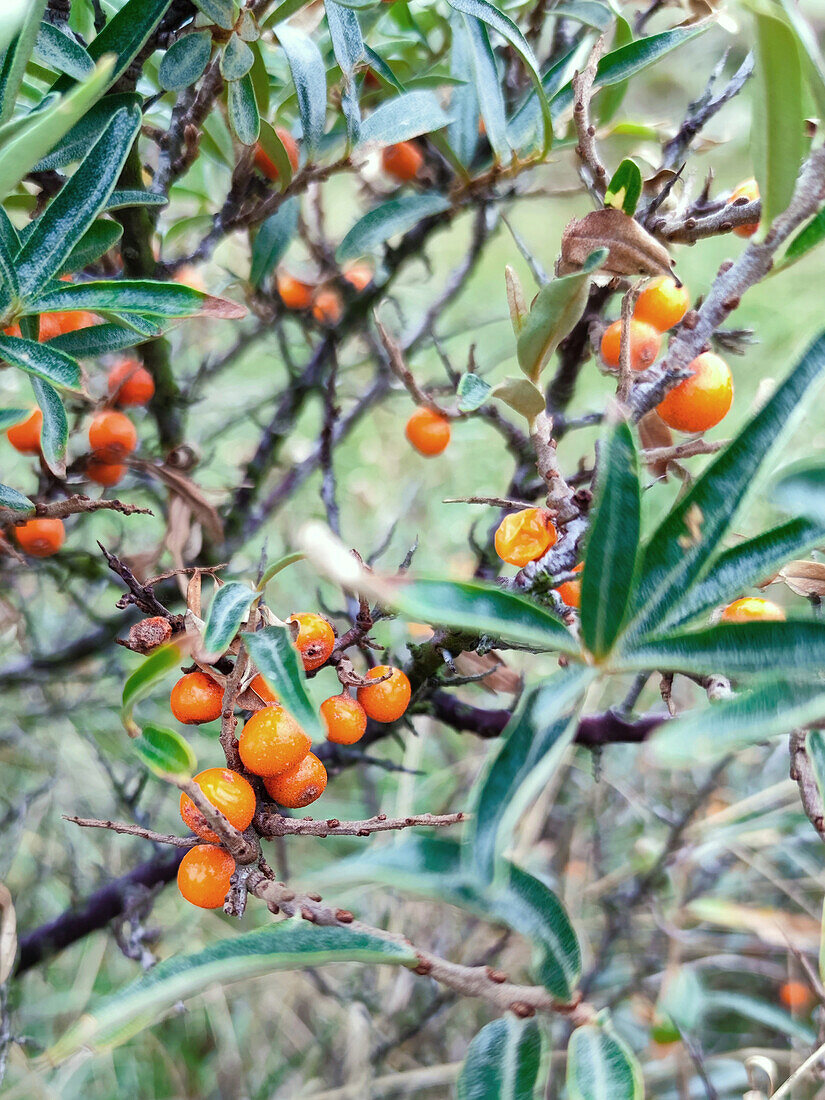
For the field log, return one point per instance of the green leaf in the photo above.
(812, 54)
(611, 98)
(227, 612)
(126, 33)
(384, 221)
(9, 246)
(613, 543)
(462, 133)
(801, 488)
(41, 130)
(488, 88)
(808, 237)
(223, 13)
(273, 239)
(557, 307)
(625, 188)
(146, 675)
(794, 649)
(41, 360)
(54, 435)
(522, 395)
(61, 227)
(590, 12)
(10, 417)
(10, 19)
(770, 709)
(276, 567)
(288, 945)
(488, 13)
(778, 137)
(14, 500)
(62, 53)
(472, 392)
(142, 297)
(403, 117)
(236, 59)
(243, 110)
(165, 753)
(673, 559)
(815, 747)
(503, 1062)
(99, 238)
(120, 199)
(276, 151)
(279, 663)
(722, 1003)
(533, 746)
(601, 1067)
(348, 47)
(184, 61)
(13, 62)
(94, 341)
(309, 76)
(79, 138)
(744, 565)
(479, 608)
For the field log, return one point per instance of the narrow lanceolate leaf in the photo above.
(275, 149)
(481, 608)
(276, 567)
(801, 488)
(746, 564)
(279, 663)
(94, 340)
(462, 133)
(41, 130)
(13, 62)
(613, 543)
(770, 709)
(243, 110)
(14, 500)
(533, 746)
(10, 417)
(227, 612)
(142, 297)
(815, 746)
(601, 1067)
(54, 434)
(126, 33)
(62, 53)
(11, 17)
(184, 61)
(488, 88)
(384, 221)
(680, 548)
(9, 246)
(625, 187)
(288, 945)
(309, 76)
(41, 360)
(348, 46)
(165, 752)
(778, 131)
(64, 222)
(794, 649)
(119, 199)
(806, 239)
(403, 117)
(149, 671)
(101, 236)
(557, 307)
(75, 143)
(273, 239)
(503, 1062)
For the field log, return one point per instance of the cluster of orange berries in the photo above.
(324, 300)
(274, 747)
(698, 402)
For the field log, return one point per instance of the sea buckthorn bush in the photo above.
(488, 337)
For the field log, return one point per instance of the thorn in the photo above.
(343, 916)
(522, 1010)
(497, 976)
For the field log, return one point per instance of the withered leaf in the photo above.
(804, 578)
(654, 433)
(192, 494)
(631, 249)
(515, 299)
(500, 677)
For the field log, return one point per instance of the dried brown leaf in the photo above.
(184, 487)
(500, 676)
(222, 309)
(805, 578)
(631, 249)
(654, 433)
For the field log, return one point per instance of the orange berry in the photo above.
(272, 741)
(751, 609)
(41, 537)
(104, 473)
(359, 276)
(299, 785)
(645, 343)
(130, 383)
(196, 698)
(316, 638)
(294, 294)
(265, 164)
(524, 536)
(387, 701)
(204, 875)
(701, 401)
(327, 307)
(662, 303)
(748, 189)
(345, 719)
(403, 161)
(25, 437)
(111, 436)
(571, 591)
(428, 431)
(229, 792)
(796, 996)
(263, 690)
